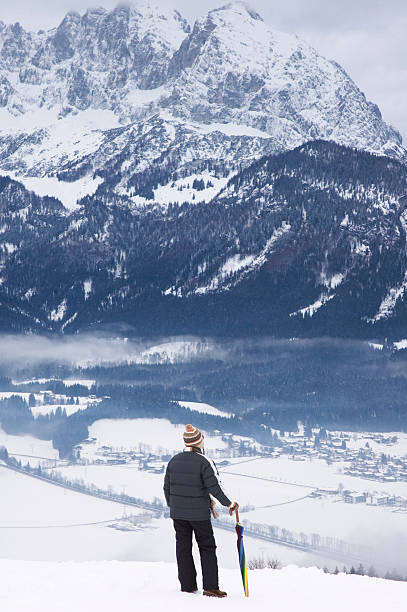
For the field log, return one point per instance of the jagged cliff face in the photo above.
(185, 198)
(89, 60)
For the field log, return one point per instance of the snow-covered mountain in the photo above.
(136, 88)
(311, 241)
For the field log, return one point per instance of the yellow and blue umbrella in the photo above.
(242, 557)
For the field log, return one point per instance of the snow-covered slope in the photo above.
(114, 92)
(42, 587)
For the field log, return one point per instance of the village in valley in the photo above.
(354, 451)
(365, 456)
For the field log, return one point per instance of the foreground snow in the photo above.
(106, 586)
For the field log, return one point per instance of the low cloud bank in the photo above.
(75, 350)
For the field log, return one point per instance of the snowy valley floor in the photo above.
(107, 586)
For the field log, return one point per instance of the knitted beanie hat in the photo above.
(192, 436)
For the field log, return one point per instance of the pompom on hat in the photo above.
(192, 436)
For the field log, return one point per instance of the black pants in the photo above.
(207, 550)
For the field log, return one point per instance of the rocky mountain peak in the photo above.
(71, 16)
(234, 68)
(94, 13)
(242, 9)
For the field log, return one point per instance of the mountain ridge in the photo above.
(308, 242)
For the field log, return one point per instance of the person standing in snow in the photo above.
(189, 481)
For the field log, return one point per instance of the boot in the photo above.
(214, 593)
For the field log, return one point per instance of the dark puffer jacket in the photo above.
(188, 481)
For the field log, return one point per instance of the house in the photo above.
(381, 500)
(354, 498)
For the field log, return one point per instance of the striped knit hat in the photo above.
(192, 436)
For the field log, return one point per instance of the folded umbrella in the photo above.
(242, 556)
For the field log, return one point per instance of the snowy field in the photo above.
(204, 408)
(276, 503)
(42, 587)
(158, 435)
(266, 502)
(380, 529)
(67, 192)
(43, 522)
(41, 407)
(118, 479)
(182, 190)
(147, 485)
(49, 506)
(354, 523)
(315, 473)
(28, 445)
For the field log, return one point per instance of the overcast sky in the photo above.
(367, 37)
